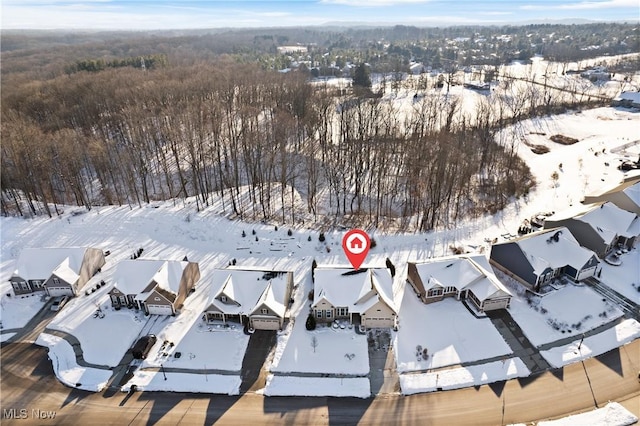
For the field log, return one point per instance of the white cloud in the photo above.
(584, 5)
(373, 3)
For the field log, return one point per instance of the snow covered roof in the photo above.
(135, 276)
(65, 272)
(606, 219)
(629, 96)
(39, 263)
(344, 287)
(464, 273)
(543, 251)
(249, 289)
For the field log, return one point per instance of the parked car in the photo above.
(59, 302)
(142, 347)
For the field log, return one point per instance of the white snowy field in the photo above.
(67, 370)
(461, 377)
(16, 311)
(569, 311)
(317, 386)
(625, 278)
(146, 380)
(612, 414)
(337, 351)
(623, 333)
(172, 230)
(447, 330)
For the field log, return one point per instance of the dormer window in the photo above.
(56, 280)
(157, 299)
(264, 311)
(223, 299)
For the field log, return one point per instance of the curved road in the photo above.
(28, 383)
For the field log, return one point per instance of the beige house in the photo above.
(57, 271)
(467, 278)
(626, 195)
(363, 297)
(159, 287)
(256, 298)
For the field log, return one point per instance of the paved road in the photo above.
(27, 382)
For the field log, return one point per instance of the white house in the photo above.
(364, 297)
(56, 271)
(159, 287)
(463, 277)
(257, 298)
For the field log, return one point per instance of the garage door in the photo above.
(59, 291)
(586, 273)
(378, 322)
(265, 324)
(490, 305)
(160, 309)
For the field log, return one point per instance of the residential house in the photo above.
(364, 297)
(536, 259)
(598, 227)
(158, 287)
(467, 278)
(626, 195)
(627, 100)
(257, 298)
(57, 271)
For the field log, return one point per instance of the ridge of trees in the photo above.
(94, 65)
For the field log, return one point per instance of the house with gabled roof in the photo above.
(59, 271)
(257, 298)
(626, 195)
(598, 227)
(536, 259)
(467, 278)
(158, 287)
(364, 297)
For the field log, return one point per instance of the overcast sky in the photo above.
(178, 14)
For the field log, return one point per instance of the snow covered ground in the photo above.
(447, 330)
(16, 311)
(461, 377)
(549, 318)
(612, 414)
(591, 346)
(172, 230)
(337, 351)
(625, 278)
(67, 370)
(314, 386)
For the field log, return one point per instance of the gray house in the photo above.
(56, 271)
(158, 287)
(257, 298)
(626, 195)
(598, 227)
(535, 259)
(463, 277)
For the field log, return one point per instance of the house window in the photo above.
(223, 299)
(319, 313)
(343, 312)
(450, 289)
(157, 299)
(37, 283)
(24, 285)
(434, 292)
(264, 311)
(56, 281)
(328, 313)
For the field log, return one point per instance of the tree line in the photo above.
(258, 140)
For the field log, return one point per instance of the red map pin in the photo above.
(355, 244)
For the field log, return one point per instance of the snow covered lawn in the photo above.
(67, 370)
(625, 279)
(447, 330)
(462, 377)
(329, 355)
(612, 414)
(146, 380)
(591, 346)
(554, 316)
(16, 311)
(317, 386)
(210, 347)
